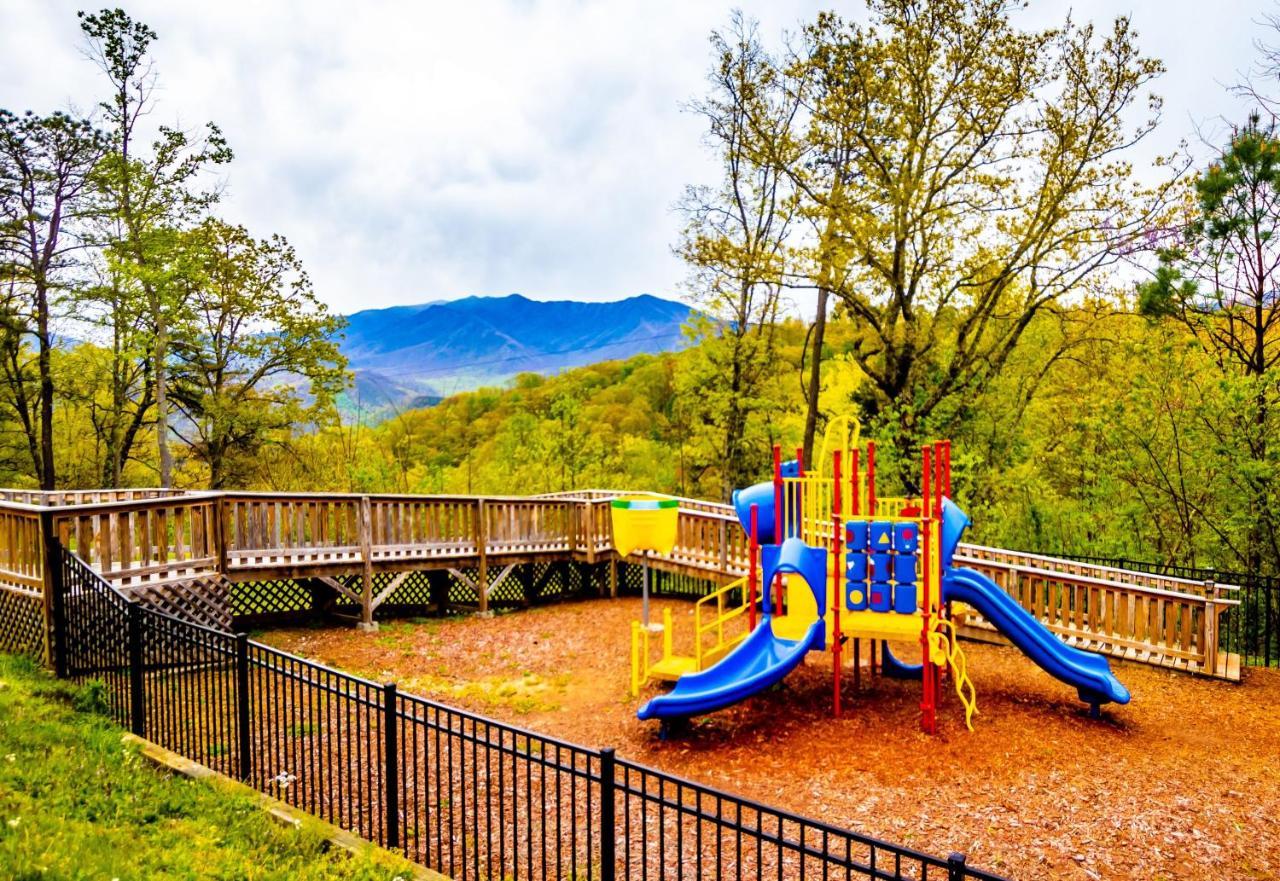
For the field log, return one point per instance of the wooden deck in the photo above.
(183, 547)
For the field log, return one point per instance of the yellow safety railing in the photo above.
(945, 647)
(892, 507)
(640, 651)
(716, 624)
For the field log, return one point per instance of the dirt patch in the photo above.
(1183, 783)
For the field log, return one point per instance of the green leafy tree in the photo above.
(45, 168)
(151, 194)
(252, 334)
(736, 244)
(982, 178)
(1220, 278)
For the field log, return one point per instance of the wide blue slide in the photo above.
(763, 658)
(757, 663)
(1088, 673)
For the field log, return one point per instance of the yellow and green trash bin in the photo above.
(648, 524)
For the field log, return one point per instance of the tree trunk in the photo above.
(815, 377)
(162, 402)
(47, 468)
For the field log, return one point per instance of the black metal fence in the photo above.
(467, 796)
(1251, 630)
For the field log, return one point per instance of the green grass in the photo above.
(77, 803)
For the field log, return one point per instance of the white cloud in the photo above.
(416, 151)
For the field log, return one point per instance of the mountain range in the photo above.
(412, 356)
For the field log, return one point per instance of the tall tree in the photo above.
(151, 193)
(736, 244)
(985, 177)
(1221, 279)
(45, 168)
(253, 333)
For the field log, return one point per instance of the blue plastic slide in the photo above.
(757, 663)
(1089, 673)
(763, 658)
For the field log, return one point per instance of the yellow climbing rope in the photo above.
(946, 647)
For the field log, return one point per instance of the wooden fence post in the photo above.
(54, 649)
(482, 583)
(366, 555)
(220, 532)
(1210, 629)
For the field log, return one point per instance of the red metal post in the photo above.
(853, 482)
(928, 708)
(871, 478)
(753, 576)
(837, 593)
(776, 605)
(946, 470)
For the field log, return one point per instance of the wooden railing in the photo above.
(150, 537)
(1138, 622)
(135, 542)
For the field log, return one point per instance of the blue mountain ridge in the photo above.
(413, 355)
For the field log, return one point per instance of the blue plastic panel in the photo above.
(904, 599)
(881, 599)
(855, 568)
(904, 568)
(881, 568)
(855, 596)
(855, 535)
(906, 537)
(881, 535)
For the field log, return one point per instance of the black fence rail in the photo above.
(1251, 629)
(467, 796)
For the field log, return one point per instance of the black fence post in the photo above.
(244, 745)
(55, 583)
(391, 763)
(608, 821)
(956, 870)
(137, 696)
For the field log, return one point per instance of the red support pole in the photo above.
(937, 478)
(836, 573)
(928, 706)
(775, 606)
(853, 482)
(753, 577)
(946, 470)
(871, 478)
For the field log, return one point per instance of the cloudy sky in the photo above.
(419, 150)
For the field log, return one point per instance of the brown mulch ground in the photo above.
(1183, 783)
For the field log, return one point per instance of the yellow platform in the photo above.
(672, 668)
(880, 625)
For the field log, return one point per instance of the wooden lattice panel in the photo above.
(21, 623)
(202, 600)
(274, 596)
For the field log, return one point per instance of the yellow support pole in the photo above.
(666, 634)
(635, 658)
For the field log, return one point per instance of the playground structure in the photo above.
(823, 573)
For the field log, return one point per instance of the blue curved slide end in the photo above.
(757, 663)
(1088, 673)
(893, 668)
